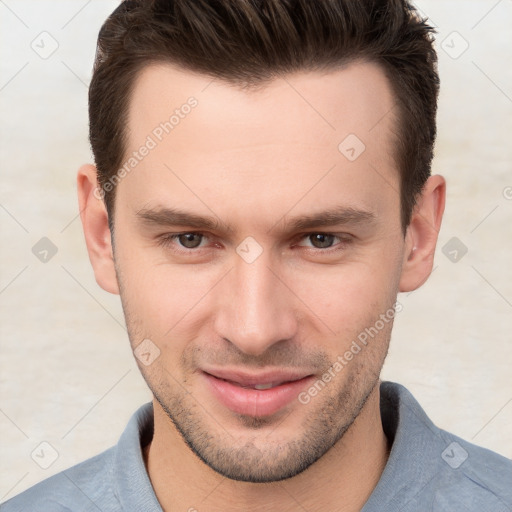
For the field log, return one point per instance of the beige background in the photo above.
(68, 377)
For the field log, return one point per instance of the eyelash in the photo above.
(167, 240)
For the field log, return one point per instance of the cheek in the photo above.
(161, 299)
(349, 295)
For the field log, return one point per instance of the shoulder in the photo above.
(430, 469)
(111, 481)
(471, 476)
(84, 487)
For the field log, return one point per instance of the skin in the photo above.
(256, 160)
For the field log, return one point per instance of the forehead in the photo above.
(355, 98)
(275, 141)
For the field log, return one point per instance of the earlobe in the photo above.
(422, 234)
(96, 229)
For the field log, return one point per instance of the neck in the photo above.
(341, 480)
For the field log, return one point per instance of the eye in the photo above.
(325, 240)
(189, 240)
(182, 242)
(321, 240)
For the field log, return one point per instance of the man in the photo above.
(262, 192)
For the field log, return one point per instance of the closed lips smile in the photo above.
(253, 395)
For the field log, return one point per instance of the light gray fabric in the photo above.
(428, 470)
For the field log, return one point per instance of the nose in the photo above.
(256, 309)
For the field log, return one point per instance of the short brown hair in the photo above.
(250, 42)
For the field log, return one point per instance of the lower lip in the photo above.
(255, 402)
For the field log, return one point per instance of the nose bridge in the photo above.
(256, 313)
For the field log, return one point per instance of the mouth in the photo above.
(256, 395)
(267, 385)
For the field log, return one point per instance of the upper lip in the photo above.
(247, 379)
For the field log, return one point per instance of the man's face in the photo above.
(267, 294)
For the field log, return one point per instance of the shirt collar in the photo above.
(413, 435)
(132, 484)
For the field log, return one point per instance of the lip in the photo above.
(226, 388)
(247, 379)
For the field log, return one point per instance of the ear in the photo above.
(93, 214)
(422, 233)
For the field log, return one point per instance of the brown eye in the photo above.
(190, 240)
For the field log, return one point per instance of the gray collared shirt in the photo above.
(428, 469)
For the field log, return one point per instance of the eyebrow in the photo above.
(338, 216)
(341, 215)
